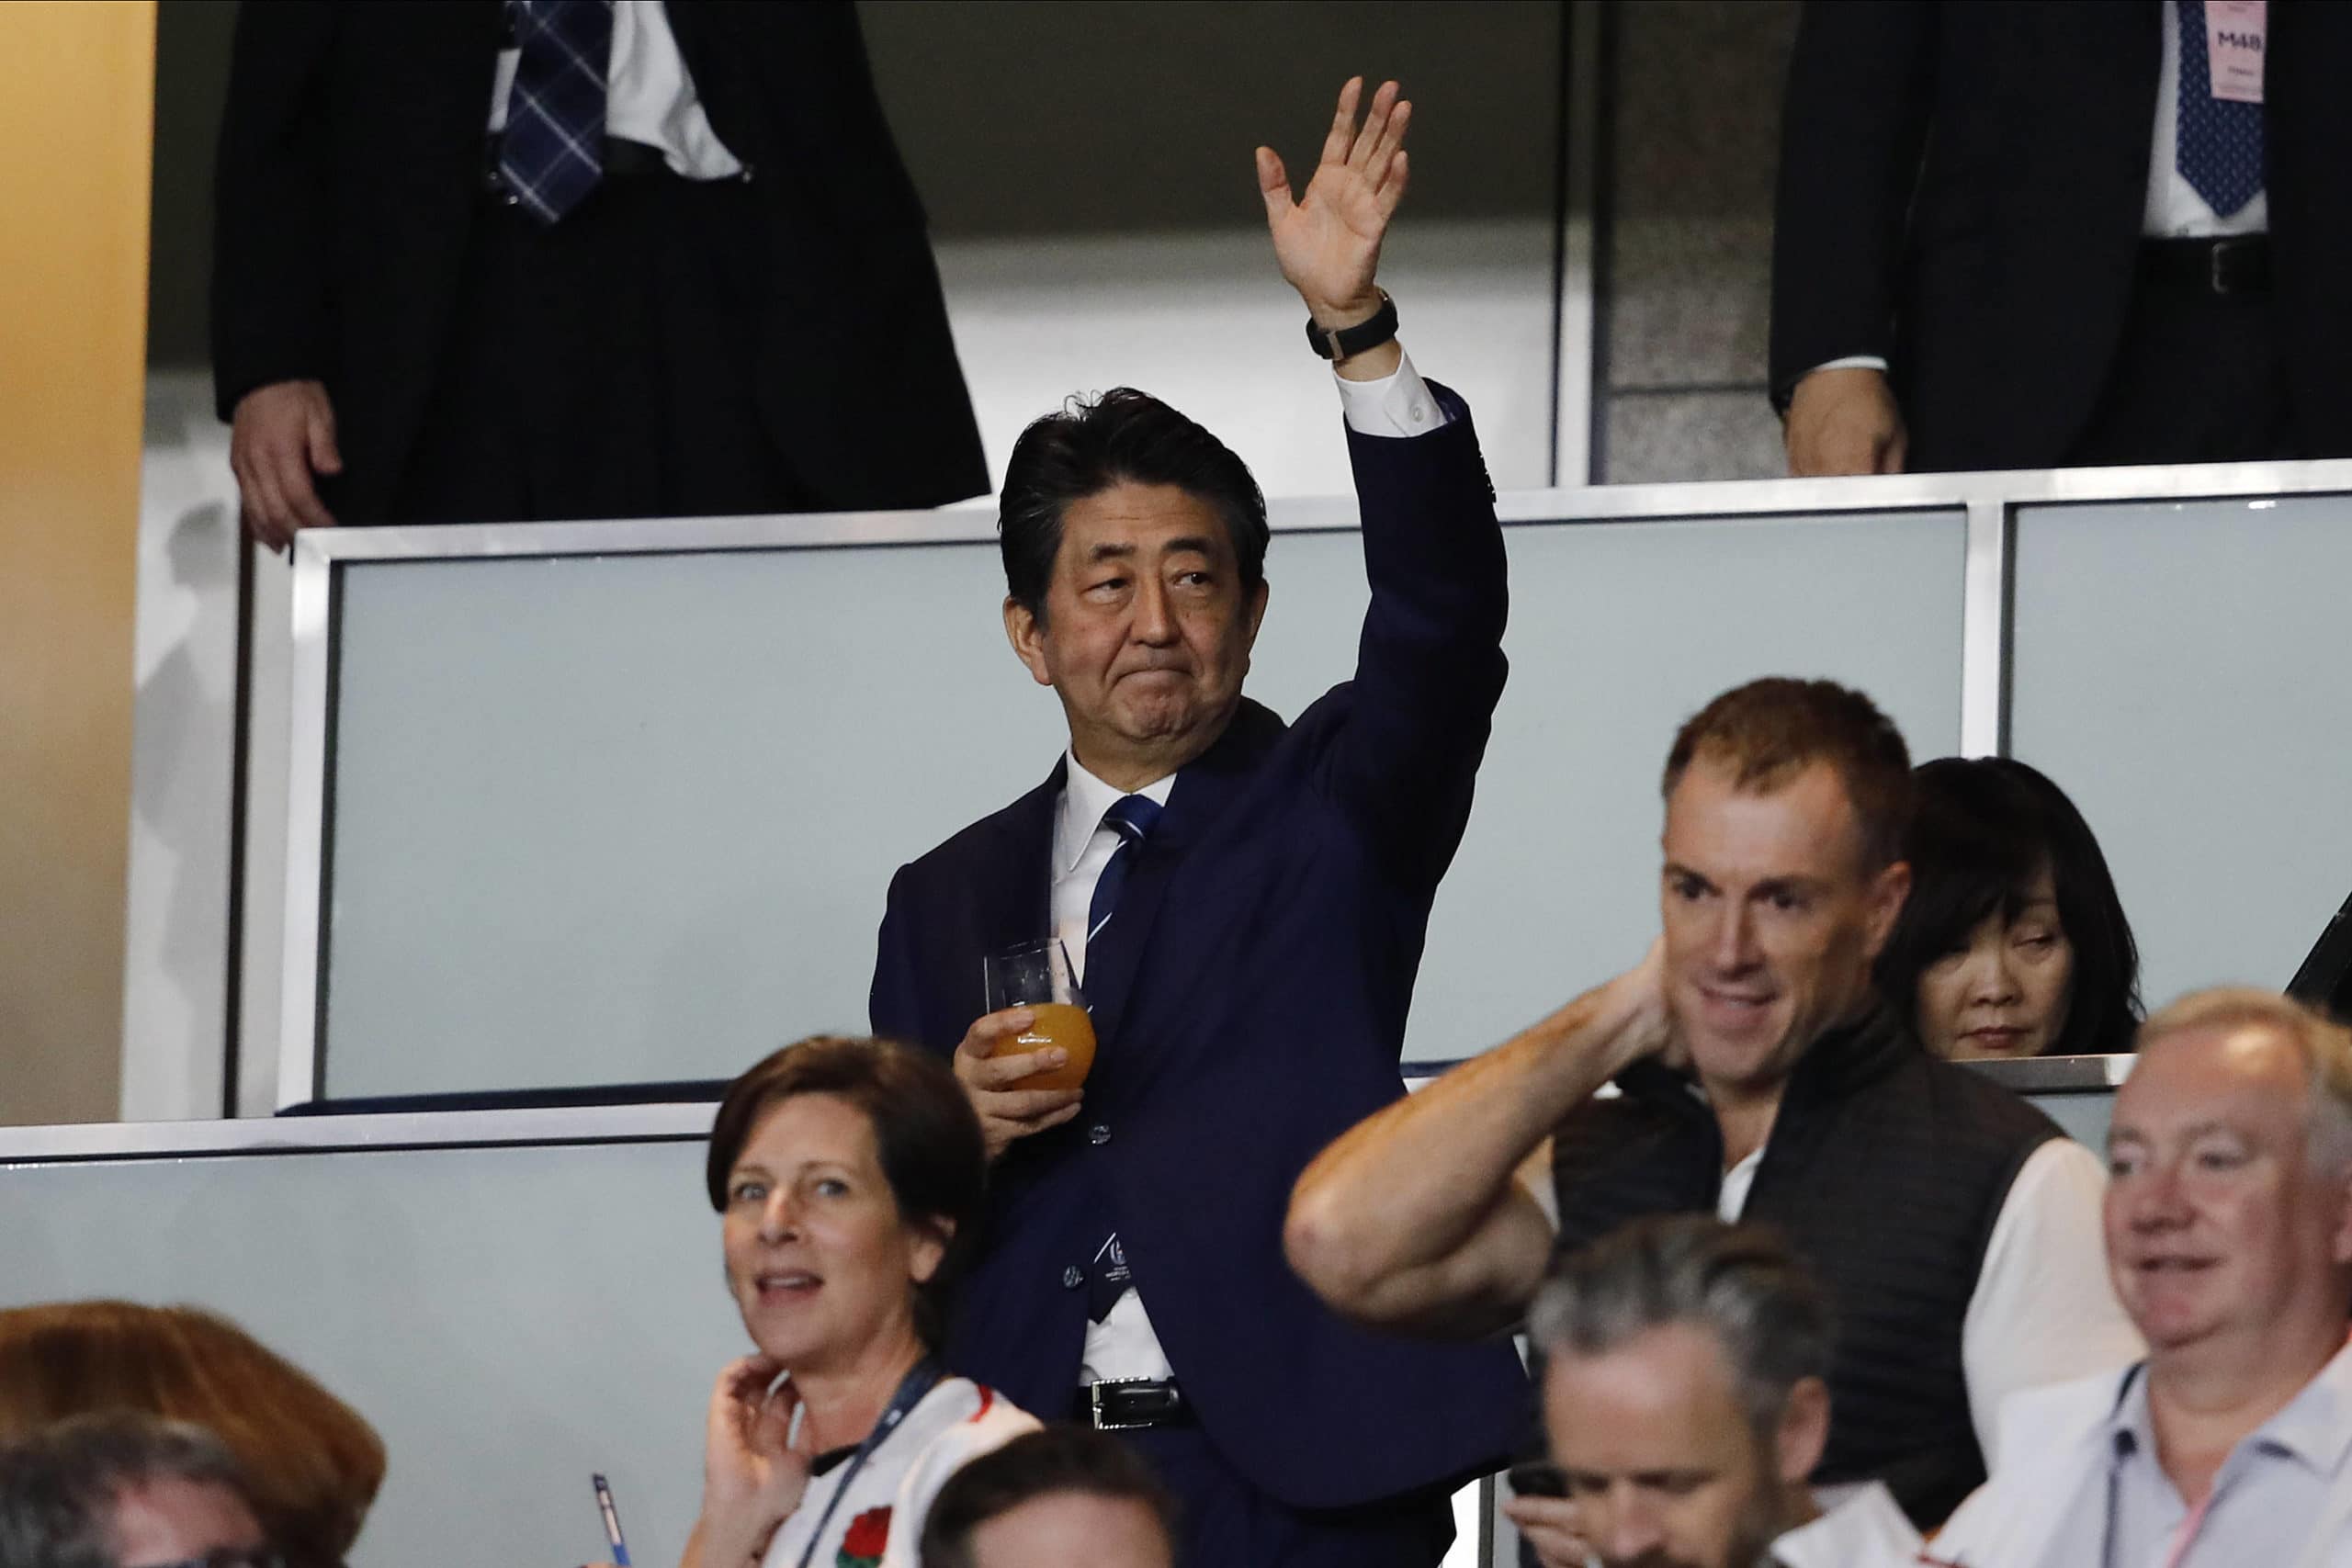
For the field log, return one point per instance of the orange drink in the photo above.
(1058, 1023)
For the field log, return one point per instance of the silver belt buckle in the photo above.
(1095, 1404)
(2226, 246)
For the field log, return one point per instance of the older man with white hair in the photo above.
(2229, 1235)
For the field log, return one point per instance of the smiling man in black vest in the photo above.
(1759, 1078)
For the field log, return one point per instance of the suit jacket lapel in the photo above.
(1015, 901)
(1205, 790)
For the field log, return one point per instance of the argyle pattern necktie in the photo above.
(1131, 816)
(553, 151)
(2217, 146)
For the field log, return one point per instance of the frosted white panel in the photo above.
(603, 819)
(611, 819)
(511, 1320)
(1619, 632)
(1204, 322)
(2180, 672)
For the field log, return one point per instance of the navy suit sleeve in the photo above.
(1853, 126)
(1429, 667)
(271, 308)
(893, 1006)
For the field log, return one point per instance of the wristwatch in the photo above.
(1351, 341)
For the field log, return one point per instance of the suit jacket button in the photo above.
(1098, 1135)
(1073, 1277)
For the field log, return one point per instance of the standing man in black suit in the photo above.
(487, 261)
(2013, 234)
(1247, 902)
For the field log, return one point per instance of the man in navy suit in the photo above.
(1247, 903)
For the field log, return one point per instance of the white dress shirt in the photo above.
(2043, 1308)
(2174, 210)
(1863, 1529)
(1123, 1345)
(2083, 1457)
(648, 96)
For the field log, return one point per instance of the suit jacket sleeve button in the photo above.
(1098, 1135)
(1073, 1277)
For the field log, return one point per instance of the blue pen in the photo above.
(611, 1522)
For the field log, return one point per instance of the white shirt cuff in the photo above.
(1397, 404)
(1851, 362)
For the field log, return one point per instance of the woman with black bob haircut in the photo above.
(2013, 941)
(847, 1175)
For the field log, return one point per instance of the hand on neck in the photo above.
(840, 1401)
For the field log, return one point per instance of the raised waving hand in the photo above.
(1327, 240)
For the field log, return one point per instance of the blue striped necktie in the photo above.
(1131, 816)
(553, 151)
(2218, 144)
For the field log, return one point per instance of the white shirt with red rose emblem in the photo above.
(878, 1523)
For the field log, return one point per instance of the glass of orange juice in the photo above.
(1036, 975)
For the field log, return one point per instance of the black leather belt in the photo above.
(624, 160)
(1132, 1402)
(2235, 264)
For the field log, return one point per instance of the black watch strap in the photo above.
(1351, 341)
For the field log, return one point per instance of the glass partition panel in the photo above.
(605, 819)
(509, 1319)
(2179, 669)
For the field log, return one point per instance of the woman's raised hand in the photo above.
(752, 1474)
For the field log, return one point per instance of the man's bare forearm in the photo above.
(1419, 1203)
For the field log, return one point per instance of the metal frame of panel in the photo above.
(665, 1122)
(88, 1142)
(1990, 501)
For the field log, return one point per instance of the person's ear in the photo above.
(1025, 630)
(930, 1248)
(1888, 891)
(1257, 611)
(1803, 1432)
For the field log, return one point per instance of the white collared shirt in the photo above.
(648, 96)
(1125, 1345)
(1863, 1528)
(2269, 1497)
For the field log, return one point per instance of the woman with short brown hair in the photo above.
(315, 1464)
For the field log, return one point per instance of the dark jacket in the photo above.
(1250, 1001)
(351, 156)
(1886, 1169)
(1961, 193)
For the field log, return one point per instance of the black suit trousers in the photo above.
(2197, 378)
(603, 366)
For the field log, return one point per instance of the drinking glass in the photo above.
(1036, 975)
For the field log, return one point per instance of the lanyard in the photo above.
(912, 1390)
(2185, 1538)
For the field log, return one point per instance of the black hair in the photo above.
(1062, 1458)
(925, 1136)
(1982, 830)
(60, 1487)
(1120, 437)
